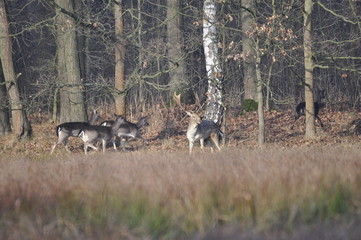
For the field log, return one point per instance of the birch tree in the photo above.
(214, 106)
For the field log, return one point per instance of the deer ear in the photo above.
(188, 113)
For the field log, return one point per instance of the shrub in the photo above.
(250, 105)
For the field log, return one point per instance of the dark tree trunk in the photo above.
(176, 58)
(21, 125)
(82, 40)
(72, 106)
(5, 127)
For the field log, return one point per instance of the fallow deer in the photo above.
(92, 134)
(128, 129)
(202, 130)
(301, 107)
(72, 129)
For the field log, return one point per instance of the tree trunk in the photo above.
(72, 106)
(81, 38)
(141, 55)
(268, 82)
(307, 45)
(120, 95)
(261, 124)
(176, 58)
(4, 114)
(214, 106)
(21, 125)
(249, 53)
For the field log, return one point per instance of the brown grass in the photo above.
(291, 185)
(166, 195)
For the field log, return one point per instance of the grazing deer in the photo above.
(72, 129)
(128, 129)
(92, 134)
(202, 130)
(301, 107)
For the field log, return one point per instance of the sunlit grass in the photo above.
(174, 195)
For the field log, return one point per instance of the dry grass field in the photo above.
(290, 189)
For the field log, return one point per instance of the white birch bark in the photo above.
(214, 107)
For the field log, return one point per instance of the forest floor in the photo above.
(167, 132)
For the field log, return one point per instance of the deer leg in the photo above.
(63, 138)
(66, 145)
(92, 146)
(294, 122)
(319, 119)
(215, 140)
(86, 145)
(144, 141)
(202, 144)
(53, 148)
(191, 147)
(104, 145)
(123, 142)
(114, 144)
(140, 137)
(86, 149)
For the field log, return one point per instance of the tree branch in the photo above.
(334, 13)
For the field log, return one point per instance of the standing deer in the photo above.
(128, 129)
(301, 107)
(202, 130)
(72, 129)
(92, 134)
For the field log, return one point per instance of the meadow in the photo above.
(266, 194)
(289, 189)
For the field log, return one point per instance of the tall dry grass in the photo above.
(160, 195)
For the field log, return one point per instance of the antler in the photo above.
(177, 100)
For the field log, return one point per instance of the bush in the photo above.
(250, 105)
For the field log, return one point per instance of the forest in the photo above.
(279, 78)
(132, 55)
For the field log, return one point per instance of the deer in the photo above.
(72, 129)
(92, 134)
(128, 129)
(301, 107)
(202, 130)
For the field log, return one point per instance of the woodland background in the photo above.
(160, 44)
